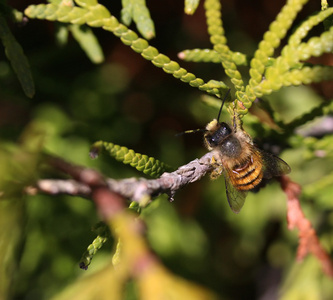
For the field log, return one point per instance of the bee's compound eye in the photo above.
(219, 135)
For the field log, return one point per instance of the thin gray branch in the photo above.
(134, 189)
(60, 186)
(321, 127)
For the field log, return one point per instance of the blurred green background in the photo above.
(128, 101)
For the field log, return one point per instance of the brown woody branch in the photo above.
(135, 189)
(87, 182)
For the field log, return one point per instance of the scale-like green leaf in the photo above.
(88, 42)
(137, 11)
(17, 58)
(141, 162)
(191, 6)
(126, 12)
(98, 242)
(98, 16)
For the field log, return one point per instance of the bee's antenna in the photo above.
(191, 131)
(225, 97)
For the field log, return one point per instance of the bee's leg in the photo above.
(216, 173)
(218, 169)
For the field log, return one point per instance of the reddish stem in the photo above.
(308, 239)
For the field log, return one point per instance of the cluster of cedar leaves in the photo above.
(74, 103)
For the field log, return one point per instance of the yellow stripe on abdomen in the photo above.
(247, 178)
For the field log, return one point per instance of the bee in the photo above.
(243, 165)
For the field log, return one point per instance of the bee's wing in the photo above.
(274, 166)
(236, 198)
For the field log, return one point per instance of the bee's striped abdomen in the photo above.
(247, 176)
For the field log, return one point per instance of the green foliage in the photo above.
(96, 15)
(170, 235)
(317, 285)
(208, 55)
(285, 70)
(18, 60)
(202, 241)
(156, 283)
(88, 42)
(191, 6)
(18, 166)
(137, 10)
(143, 163)
(98, 242)
(324, 108)
(280, 71)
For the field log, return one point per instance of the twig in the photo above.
(134, 189)
(308, 239)
(68, 186)
(108, 202)
(169, 183)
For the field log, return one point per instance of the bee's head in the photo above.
(215, 133)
